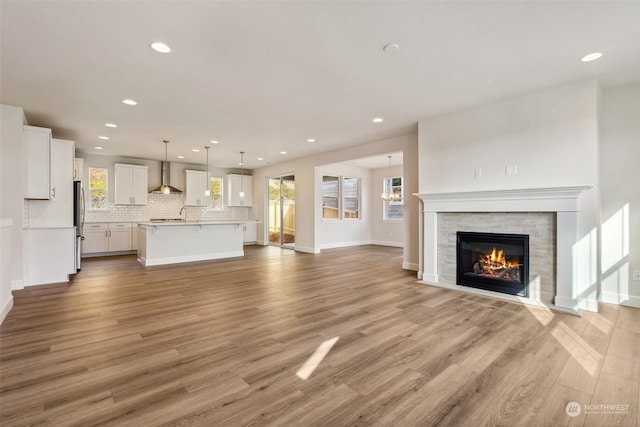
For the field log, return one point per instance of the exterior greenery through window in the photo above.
(351, 200)
(394, 210)
(216, 194)
(330, 197)
(98, 187)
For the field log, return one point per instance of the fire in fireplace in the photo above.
(493, 261)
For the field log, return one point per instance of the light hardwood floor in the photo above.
(219, 343)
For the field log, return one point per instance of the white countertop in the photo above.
(195, 222)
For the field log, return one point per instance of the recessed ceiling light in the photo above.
(111, 125)
(160, 47)
(129, 102)
(195, 150)
(591, 57)
(103, 137)
(97, 147)
(214, 141)
(311, 140)
(283, 152)
(391, 47)
(181, 157)
(378, 120)
(260, 158)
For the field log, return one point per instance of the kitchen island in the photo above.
(176, 242)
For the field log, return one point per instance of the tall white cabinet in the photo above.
(196, 184)
(36, 164)
(49, 234)
(131, 184)
(235, 183)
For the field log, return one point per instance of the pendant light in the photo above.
(165, 187)
(242, 174)
(207, 190)
(390, 196)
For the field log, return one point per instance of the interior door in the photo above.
(282, 214)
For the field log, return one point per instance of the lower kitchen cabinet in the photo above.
(249, 233)
(49, 255)
(103, 237)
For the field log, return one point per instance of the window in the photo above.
(216, 194)
(98, 187)
(330, 197)
(351, 200)
(393, 210)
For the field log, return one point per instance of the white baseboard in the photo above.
(17, 285)
(307, 250)
(621, 299)
(430, 277)
(410, 266)
(420, 275)
(567, 303)
(344, 244)
(383, 243)
(6, 309)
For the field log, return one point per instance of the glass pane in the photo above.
(288, 210)
(98, 199)
(330, 197)
(351, 198)
(216, 194)
(275, 226)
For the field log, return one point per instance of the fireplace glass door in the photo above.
(495, 262)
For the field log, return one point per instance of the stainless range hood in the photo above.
(165, 188)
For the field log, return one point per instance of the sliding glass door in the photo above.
(282, 211)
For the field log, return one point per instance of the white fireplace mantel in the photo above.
(556, 199)
(561, 200)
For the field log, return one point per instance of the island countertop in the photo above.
(194, 222)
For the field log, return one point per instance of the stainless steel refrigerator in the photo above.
(78, 220)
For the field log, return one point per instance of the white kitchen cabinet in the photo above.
(235, 183)
(58, 210)
(197, 182)
(249, 233)
(78, 169)
(120, 237)
(131, 184)
(49, 255)
(96, 238)
(108, 237)
(36, 162)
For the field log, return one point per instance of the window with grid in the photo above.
(217, 193)
(351, 199)
(394, 209)
(330, 197)
(98, 179)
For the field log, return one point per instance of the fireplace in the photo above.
(494, 262)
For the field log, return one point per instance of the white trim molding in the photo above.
(561, 200)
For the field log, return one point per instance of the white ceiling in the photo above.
(263, 77)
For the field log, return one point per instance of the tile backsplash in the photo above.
(162, 206)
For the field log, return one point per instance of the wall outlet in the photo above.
(636, 275)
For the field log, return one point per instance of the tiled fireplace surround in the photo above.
(547, 215)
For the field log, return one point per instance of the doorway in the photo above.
(282, 211)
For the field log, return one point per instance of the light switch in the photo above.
(511, 169)
(477, 173)
(636, 275)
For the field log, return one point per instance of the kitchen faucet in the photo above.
(185, 213)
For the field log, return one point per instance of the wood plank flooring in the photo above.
(220, 342)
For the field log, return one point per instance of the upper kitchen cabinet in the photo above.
(131, 184)
(57, 211)
(36, 162)
(197, 182)
(78, 169)
(236, 184)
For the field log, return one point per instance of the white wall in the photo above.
(309, 207)
(340, 232)
(389, 233)
(12, 201)
(551, 136)
(620, 193)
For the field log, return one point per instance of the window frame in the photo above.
(358, 199)
(338, 198)
(387, 187)
(221, 199)
(91, 189)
